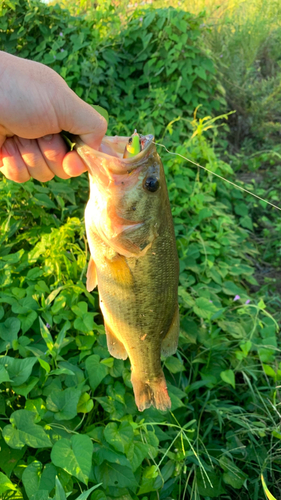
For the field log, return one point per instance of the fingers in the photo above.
(13, 166)
(53, 149)
(40, 159)
(73, 165)
(33, 159)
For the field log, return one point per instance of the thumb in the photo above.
(79, 118)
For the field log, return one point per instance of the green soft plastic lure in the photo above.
(134, 146)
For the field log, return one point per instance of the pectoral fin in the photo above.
(115, 347)
(170, 341)
(92, 279)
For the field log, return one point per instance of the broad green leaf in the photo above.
(38, 478)
(37, 406)
(210, 486)
(24, 431)
(19, 370)
(64, 403)
(149, 476)
(137, 453)
(104, 452)
(110, 474)
(4, 375)
(27, 320)
(31, 478)
(120, 437)
(231, 289)
(204, 308)
(96, 370)
(8, 333)
(85, 403)
(228, 376)
(232, 475)
(174, 365)
(5, 484)
(74, 456)
(9, 457)
(26, 388)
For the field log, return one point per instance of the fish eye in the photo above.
(151, 184)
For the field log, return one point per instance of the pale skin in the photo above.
(36, 104)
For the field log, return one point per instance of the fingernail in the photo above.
(47, 138)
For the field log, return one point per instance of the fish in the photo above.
(133, 258)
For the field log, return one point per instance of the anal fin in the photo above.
(115, 346)
(170, 341)
(92, 279)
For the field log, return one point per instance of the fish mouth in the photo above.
(115, 146)
(110, 153)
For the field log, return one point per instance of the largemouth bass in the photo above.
(134, 259)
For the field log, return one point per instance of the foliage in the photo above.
(245, 41)
(150, 73)
(69, 424)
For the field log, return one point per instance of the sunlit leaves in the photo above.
(23, 431)
(74, 456)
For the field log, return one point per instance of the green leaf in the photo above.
(209, 487)
(85, 494)
(204, 308)
(137, 453)
(174, 365)
(231, 289)
(85, 403)
(24, 431)
(110, 474)
(5, 484)
(27, 320)
(46, 335)
(104, 452)
(9, 332)
(44, 201)
(64, 403)
(60, 493)
(101, 111)
(31, 478)
(232, 475)
(9, 457)
(19, 370)
(149, 476)
(4, 375)
(266, 490)
(37, 406)
(246, 222)
(26, 388)
(96, 371)
(74, 456)
(120, 438)
(228, 376)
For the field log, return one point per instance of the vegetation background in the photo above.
(69, 424)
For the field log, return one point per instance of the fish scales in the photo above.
(134, 261)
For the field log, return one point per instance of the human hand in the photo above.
(36, 104)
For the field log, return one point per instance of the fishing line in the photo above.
(220, 177)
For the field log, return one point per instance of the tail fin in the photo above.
(151, 393)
